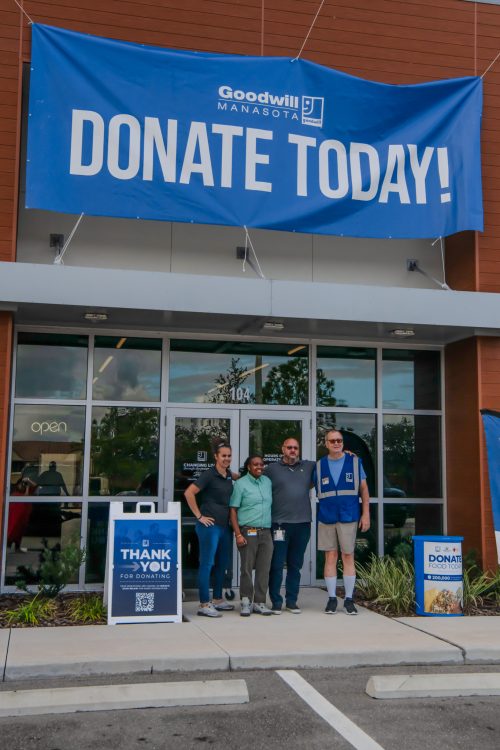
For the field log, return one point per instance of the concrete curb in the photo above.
(119, 697)
(433, 685)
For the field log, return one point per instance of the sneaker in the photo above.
(223, 606)
(293, 609)
(245, 607)
(349, 607)
(276, 609)
(261, 609)
(331, 606)
(208, 610)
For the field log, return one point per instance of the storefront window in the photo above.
(97, 539)
(124, 451)
(266, 436)
(126, 369)
(221, 372)
(402, 521)
(32, 528)
(360, 437)
(412, 456)
(411, 379)
(47, 450)
(345, 376)
(51, 365)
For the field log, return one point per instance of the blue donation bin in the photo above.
(438, 575)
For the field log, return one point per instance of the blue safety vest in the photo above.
(338, 503)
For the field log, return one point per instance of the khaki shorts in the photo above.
(333, 535)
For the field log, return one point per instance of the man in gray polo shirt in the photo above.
(291, 523)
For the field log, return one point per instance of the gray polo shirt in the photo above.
(291, 484)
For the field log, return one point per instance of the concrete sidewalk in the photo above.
(311, 639)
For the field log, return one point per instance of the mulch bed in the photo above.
(60, 616)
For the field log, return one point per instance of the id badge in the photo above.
(251, 532)
(279, 535)
(324, 480)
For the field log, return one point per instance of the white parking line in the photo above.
(344, 726)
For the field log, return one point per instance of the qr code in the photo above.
(144, 602)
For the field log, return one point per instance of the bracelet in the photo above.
(238, 535)
(200, 516)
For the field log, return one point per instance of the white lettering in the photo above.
(360, 192)
(420, 170)
(153, 139)
(302, 142)
(395, 161)
(76, 165)
(228, 133)
(253, 158)
(197, 139)
(324, 169)
(134, 146)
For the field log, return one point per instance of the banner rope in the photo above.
(308, 33)
(58, 260)
(491, 65)
(22, 9)
(257, 268)
(442, 283)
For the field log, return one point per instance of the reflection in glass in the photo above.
(366, 543)
(47, 450)
(266, 436)
(412, 456)
(345, 376)
(124, 450)
(97, 539)
(411, 379)
(219, 372)
(33, 527)
(126, 369)
(195, 439)
(360, 437)
(51, 365)
(402, 521)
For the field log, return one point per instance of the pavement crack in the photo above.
(6, 655)
(437, 637)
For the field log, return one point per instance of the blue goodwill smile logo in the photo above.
(312, 110)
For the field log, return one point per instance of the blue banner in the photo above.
(121, 129)
(145, 559)
(491, 422)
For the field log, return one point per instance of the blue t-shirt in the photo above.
(335, 466)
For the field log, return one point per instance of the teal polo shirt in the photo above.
(253, 498)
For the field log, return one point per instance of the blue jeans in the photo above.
(215, 545)
(290, 551)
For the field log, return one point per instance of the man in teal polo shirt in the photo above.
(250, 516)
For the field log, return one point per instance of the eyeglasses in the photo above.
(291, 447)
(335, 440)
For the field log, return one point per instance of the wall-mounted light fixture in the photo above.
(96, 317)
(56, 241)
(402, 333)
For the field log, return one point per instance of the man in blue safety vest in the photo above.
(340, 481)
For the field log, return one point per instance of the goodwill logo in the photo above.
(267, 104)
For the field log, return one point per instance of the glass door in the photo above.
(264, 432)
(191, 435)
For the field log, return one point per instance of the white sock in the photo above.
(331, 585)
(349, 582)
